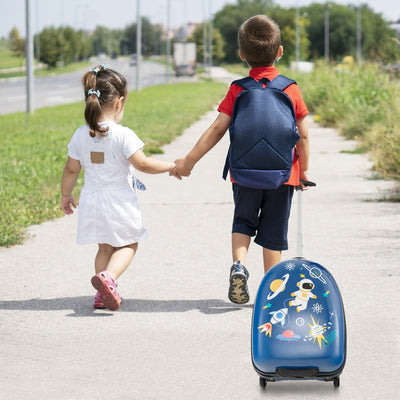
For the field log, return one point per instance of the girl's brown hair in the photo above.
(259, 39)
(101, 87)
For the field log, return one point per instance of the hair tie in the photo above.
(96, 92)
(96, 70)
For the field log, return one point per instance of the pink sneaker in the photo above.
(107, 287)
(98, 303)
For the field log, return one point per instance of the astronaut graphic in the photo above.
(302, 295)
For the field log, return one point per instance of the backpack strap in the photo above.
(281, 82)
(247, 83)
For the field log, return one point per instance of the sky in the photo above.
(117, 14)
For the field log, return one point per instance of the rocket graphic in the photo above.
(279, 316)
(267, 328)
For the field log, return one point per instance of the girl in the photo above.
(108, 211)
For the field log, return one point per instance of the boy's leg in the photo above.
(238, 290)
(240, 247)
(270, 257)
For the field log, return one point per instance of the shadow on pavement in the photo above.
(82, 306)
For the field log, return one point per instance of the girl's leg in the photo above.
(115, 260)
(271, 257)
(120, 259)
(103, 257)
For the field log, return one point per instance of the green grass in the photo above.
(8, 60)
(34, 149)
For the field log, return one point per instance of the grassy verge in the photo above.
(34, 149)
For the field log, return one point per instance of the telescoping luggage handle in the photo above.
(299, 247)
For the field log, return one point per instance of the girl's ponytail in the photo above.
(101, 87)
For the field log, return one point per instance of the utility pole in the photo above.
(359, 49)
(168, 67)
(210, 38)
(138, 44)
(327, 7)
(297, 37)
(29, 59)
(205, 42)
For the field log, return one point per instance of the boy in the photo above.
(263, 213)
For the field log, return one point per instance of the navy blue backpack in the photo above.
(263, 133)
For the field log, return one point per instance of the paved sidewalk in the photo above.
(176, 335)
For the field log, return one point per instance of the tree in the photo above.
(286, 19)
(17, 43)
(51, 46)
(229, 19)
(71, 45)
(151, 38)
(218, 53)
(376, 39)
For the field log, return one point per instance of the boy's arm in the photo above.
(303, 146)
(206, 142)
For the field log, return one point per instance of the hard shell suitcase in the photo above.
(298, 327)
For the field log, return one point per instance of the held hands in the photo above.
(66, 203)
(182, 167)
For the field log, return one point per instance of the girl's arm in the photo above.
(70, 175)
(150, 165)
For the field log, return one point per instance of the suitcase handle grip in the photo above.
(306, 183)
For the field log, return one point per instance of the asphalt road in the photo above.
(176, 335)
(66, 88)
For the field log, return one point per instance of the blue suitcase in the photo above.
(298, 327)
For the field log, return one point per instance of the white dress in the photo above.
(108, 206)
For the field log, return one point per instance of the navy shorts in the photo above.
(263, 213)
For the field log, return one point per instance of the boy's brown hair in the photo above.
(259, 39)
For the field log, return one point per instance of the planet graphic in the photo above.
(277, 286)
(288, 336)
(330, 338)
(314, 273)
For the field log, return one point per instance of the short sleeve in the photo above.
(74, 147)
(131, 142)
(299, 105)
(226, 105)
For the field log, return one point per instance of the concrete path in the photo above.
(176, 335)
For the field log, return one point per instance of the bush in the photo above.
(363, 103)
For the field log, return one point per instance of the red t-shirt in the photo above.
(293, 91)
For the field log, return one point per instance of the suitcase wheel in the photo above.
(336, 382)
(263, 382)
